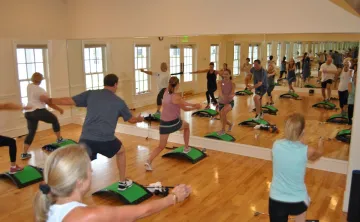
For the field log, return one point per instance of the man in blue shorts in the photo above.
(104, 108)
(260, 86)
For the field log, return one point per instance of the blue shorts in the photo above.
(221, 106)
(106, 148)
(260, 91)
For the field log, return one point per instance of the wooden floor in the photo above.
(226, 187)
(242, 110)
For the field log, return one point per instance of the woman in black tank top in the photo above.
(211, 75)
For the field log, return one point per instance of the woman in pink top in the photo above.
(226, 100)
(170, 119)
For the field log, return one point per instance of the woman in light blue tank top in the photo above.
(288, 194)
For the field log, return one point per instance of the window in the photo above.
(278, 54)
(175, 60)
(296, 50)
(287, 51)
(188, 63)
(30, 59)
(268, 51)
(236, 63)
(214, 55)
(95, 66)
(253, 52)
(142, 61)
(307, 47)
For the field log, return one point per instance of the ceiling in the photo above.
(352, 6)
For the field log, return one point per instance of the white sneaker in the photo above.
(261, 115)
(148, 167)
(230, 127)
(257, 117)
(187, 150)
(123, 185)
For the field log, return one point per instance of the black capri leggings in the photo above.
(210, 93)
(33, 119)
(270, 89)
(11, 143)
(160, 97)
(350, 113)
(343, 97)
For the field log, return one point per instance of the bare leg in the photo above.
(58, 135)
(301, 217)
(121, 163)
(328, 88)
(323, 93)
(185, 127)
(223, 115)
(158, 108)
(257, 101)
(157, 150)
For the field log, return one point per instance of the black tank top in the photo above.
(211, 80)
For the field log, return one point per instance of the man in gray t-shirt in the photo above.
(104, 108)
(260, 86)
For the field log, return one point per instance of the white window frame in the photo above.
(287, 51)
(188, 62)
(44, 70)
(140, 77)
(237, 58)
(251, 52)
(88, 72)
(175, 60)
(278, 54)
(268, 50)
(214, 57)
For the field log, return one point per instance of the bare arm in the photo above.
(200, 71)
(60, 110)
(146, 72)
(10, 106)
(137, 119)
(219, 86)
(350, 87)
(257, 85)
(183, 104)
(65, 101)
(271, 74)
(315, 154)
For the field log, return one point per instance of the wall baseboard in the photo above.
(325, 164)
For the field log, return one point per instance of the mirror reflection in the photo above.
(200, 62)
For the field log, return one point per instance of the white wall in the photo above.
(92, 18)
(35, 19)
(120, 60)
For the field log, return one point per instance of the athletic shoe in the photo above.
(257, 117)
(125, 184)
(221, 132)
(187, 150)
(230, 127)
(15, 169)
(207, 107)
(60, 140)
(148, 167)
(25, 156)
(261, 115)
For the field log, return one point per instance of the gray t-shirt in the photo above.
(103, 110)
(260, 76)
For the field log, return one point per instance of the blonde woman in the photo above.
(67, 178)
(38, 113)
(226, 100)
(10, 142)
(271, 83)
(288, 194)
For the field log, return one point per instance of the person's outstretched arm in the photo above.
(200, 71)
(128, 213)
(146, 72)
(52, 102)
(10, 106)
(315, 154)
(183, 104)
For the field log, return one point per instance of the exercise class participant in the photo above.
(246, 69)
(351, 98)
(297, 62)
(343, 87)
(225, 68)
(271, 83)
(67, 178)
(283, 67)
(211, 76)
(288, 193)
(328, 72)
(162, 79)
(170, 119)
(260, 86)
(104, 108)
(226, 100)
(38, 113)
(270, 61)
(306, 69)
(291, 76)
(10, 142)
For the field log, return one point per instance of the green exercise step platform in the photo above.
(132, 195)
(268, 109)
(252, 122)
(338, 118)
(225, 137)
(289, 95)
(344, 135)
(310, 86)
(325, 105)
(194, 156)
(243, 93)
(205, 113)
(153, 117)
(53, 146)
(29, 175)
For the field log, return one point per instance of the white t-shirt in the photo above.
(162, 80)
(58, 212)
(34, 92)
(345, 78)
(325, 75)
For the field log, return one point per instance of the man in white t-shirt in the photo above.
(345, 78)
(246, 69)
(162, 83)
(328, 71)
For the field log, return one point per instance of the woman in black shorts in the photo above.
(291, 77)
(226, 100)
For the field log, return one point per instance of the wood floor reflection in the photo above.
(226, 187)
